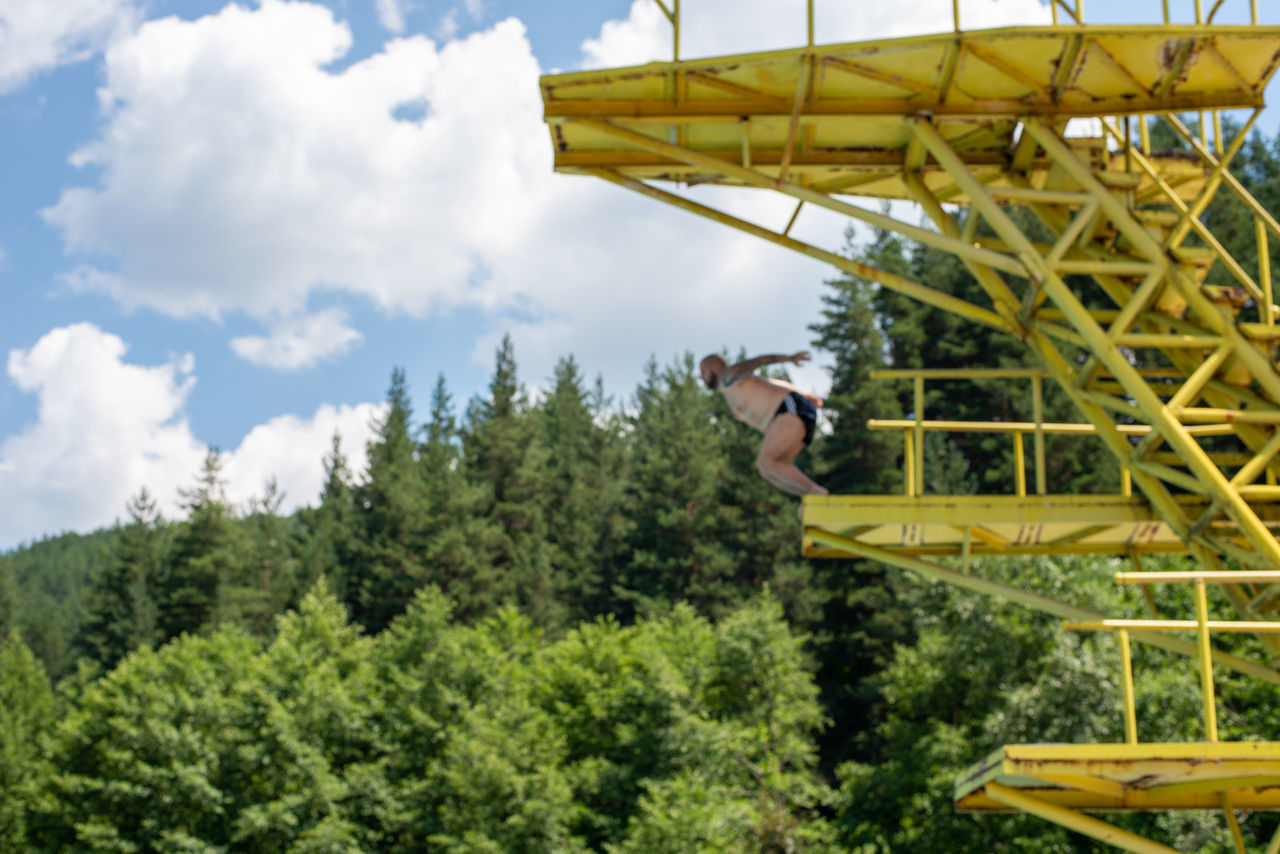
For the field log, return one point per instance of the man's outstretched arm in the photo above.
(749, 366)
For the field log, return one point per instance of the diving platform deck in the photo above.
(940, 525)
(1124, 777)
(829, 117)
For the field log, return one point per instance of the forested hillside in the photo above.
(565, 621)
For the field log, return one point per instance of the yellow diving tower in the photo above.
(977, 119)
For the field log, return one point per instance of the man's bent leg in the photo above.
(783, 441)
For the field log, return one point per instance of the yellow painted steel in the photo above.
(1145, 776)
(1005, 524)
(1126, 683)
(1087, 825)
(1237, 626)
(975, 119)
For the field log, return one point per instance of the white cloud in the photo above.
(38, 35)
(238, 174)
(291, 450)
(740, 26)
(644, 35)
(391, 14)
(105, 428)
(299, 342)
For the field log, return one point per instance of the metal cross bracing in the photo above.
(976, 119)
(1180, 381)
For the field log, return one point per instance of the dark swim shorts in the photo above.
(797, 404)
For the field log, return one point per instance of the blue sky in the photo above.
(223, 225)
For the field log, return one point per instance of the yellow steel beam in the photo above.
(902, 285)
(1066, 301)
(1033, 601)
(1190, 577)
(1126, 684)
(1057, 428)
(754, 178)
(1073, 820)
(1154, 410)
(1255, 207)
(1153, 776)
(1214, 785)
(1084, 783)
(1228, 626)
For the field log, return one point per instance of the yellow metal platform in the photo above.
(1001, 524)
(830, 117)
(1127, 776)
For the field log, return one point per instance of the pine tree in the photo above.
(8, 597)
(271, 580)
(582, 489)
(391, 505)
(500, 456)
(460, 539)
(673, 551)
(121, 611)
(854, 459)
(205, 557)
(26, 713)
(330, 530)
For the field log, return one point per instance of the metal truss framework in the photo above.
(986, 130)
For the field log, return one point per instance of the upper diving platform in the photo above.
(830, 116)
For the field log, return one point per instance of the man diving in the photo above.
(783, 413)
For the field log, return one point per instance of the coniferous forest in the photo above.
(563, 620)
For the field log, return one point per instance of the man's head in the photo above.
(712, 368)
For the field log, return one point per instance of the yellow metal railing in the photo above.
(1203, 627)
(914, 428)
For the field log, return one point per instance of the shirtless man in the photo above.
(783, 413)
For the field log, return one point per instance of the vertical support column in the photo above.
(1233, 824)
(955, 13)
(675, 29)
(909, 463)
(1019, 466)
(1264, 272)
(1274, 846)
(1206, 663)
(918, 403)
(1037, 412)
(1126, 682)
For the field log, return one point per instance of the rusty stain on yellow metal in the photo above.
(976, 119)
